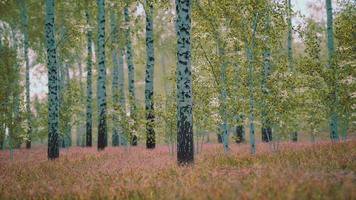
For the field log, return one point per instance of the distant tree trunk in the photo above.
(65, 117)
(101, 92)
(252, 116)
(68, 136)
(53, 101)
(240, 131)
(14, 105)
(223, 94)
(78, 140)
(89, 106)
(149, 84)
(131, 67)
(115, 79)
(250, 56)
(15, 126)
(346, 126)
(24, 22)
(122, 100)
(80, 126)
(334, 135)
(62, 84)
(122, 80)
(240, 134)
(219, 136)
(80, 68)
(294, 135)
(312, 135)
(266, 129)
(68, 129)
(185, 146)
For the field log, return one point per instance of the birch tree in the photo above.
(24, 22)
(266, 127)
(294, 135)
(149, 79)
(89, 101)
(53, 96)
(101, 91)
(185, 143)
(334, 136)
(250, 59)
(118, 94)
(131, 68)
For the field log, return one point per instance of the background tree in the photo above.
(334, 135)
(250, 54)
(345, 63)
(115, 76)
(131, 69)
(294, 134)
(24, 22)
(266, 126)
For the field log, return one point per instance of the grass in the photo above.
(297, 171)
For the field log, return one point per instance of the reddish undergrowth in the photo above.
(297, 171)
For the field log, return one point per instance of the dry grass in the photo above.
(298, 171)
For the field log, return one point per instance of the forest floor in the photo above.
(297, 171)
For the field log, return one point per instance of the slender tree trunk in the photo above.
(101, 92)
(250, 56)
(312, 135)
(13, 105)
(80, 68)
(63, 120)
(68, 136)
(149, 84)
(293, 135)
(185, 146)
(78, 140)
(223, 94)
(24, 22)
(89, 106)
(15, 94)
(121, 139)
(122, 81)
(240, 138)
(68, 125)
(250, 89)
(80, 126)
(62, 123)
(334, 135)
(53, 101)
(115, 79)
(131, 69)
(240, 135)
(266, 128)
(346, 126)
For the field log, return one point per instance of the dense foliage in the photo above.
(232, 44)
